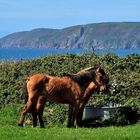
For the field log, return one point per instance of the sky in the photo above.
(25, 15)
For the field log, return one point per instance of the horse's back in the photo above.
(36, 78)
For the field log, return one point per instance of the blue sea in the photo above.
(8, 54)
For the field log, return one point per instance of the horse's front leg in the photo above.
(75, 116)
(79, 117)
(81, 110)
(87, 94)
(70, 117)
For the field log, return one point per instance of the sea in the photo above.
(15, 54)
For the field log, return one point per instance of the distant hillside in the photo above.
(125, 35)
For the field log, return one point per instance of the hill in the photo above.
(123, 35)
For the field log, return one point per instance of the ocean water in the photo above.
(8, 54)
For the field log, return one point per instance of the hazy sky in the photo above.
(20, 15)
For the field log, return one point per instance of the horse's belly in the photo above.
(60, 96)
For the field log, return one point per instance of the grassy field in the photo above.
(106, 133)
(9, 130)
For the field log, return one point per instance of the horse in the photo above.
(72, 89)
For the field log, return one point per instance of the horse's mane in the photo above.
(85, 70)
(83, 75)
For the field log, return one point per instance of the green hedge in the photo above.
(125, 71)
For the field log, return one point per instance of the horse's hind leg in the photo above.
(22, 117)
(34, 117)
(40, 108)
(74, 116)
(41, 120)
(26, 108)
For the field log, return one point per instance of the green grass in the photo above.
(104, 133)
(10, 130)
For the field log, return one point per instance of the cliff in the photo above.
(123, 35)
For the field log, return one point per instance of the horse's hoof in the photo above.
(21, 125)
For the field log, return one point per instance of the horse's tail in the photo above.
(25, 91)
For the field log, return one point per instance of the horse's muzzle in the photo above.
(103, 88)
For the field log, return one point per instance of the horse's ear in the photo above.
(96, 66)
(98, 69)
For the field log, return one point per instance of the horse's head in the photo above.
(91, 74)
(101, 79)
